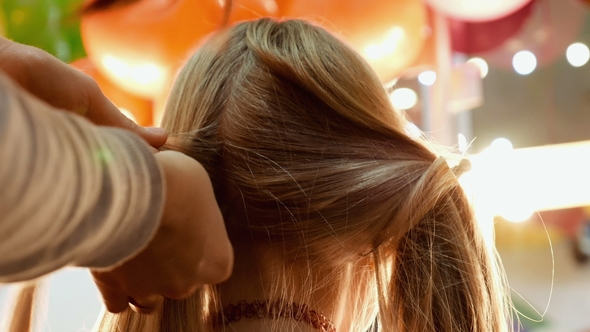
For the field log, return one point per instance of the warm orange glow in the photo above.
(141, 46)
(137, 109)
(389, 34)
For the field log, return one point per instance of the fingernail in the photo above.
(157, 130)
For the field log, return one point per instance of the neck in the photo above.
(255, 271)
(278, 309)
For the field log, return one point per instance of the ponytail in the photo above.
(440, 275)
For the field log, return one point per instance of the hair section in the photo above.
(308, 157)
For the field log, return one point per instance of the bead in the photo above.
(273, 310)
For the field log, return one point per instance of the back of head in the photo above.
(305, 152)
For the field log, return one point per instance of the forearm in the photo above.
(71, 193)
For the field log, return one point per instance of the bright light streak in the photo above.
(462, 143)
(515, 183)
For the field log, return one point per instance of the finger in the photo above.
(154, 136)
(114, 301)
(179, 294)
(146, 305)
(102, 111)
(157, 136)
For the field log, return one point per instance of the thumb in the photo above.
(154, 136)
(103, 112)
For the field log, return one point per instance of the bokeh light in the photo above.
(403, 98)
(524, 62)
(481, 64)
(427, 77)
(577, 54)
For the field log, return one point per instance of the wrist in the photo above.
(179, 172)
(190, 208)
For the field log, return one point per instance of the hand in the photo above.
(191, 247)
(66, 88)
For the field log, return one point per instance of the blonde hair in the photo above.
(306, 154)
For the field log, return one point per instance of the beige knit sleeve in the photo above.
(71, 193)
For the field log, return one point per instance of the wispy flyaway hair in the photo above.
(308, 156)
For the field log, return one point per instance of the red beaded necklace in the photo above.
(275, 309)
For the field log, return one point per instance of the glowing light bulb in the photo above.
(481, 64)
(577, 54)
(403, 98)
(524, 62)
(427, 77)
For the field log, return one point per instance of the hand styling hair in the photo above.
(308, 157)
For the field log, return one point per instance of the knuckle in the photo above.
(146, 305)
(216, 269)
(105, 280)
(116, 306)
(179, 290)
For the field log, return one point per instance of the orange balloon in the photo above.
(140, 46)
(389, 34)
(243, 10)
(426, 59)
(139, 109)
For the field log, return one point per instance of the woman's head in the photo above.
(309, 160)
(295, 128)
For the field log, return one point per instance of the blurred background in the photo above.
(505, 82)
